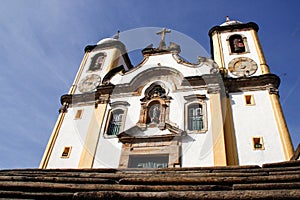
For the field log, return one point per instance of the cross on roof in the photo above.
(163, 35)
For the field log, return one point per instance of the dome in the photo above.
(106, 40)
(229, 22)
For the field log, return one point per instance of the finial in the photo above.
(163, 32)
(227, 19)
(117, 35)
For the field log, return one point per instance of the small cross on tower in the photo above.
(162, 44)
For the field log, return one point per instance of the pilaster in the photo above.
(285, 138)
(92, 137)
(218, 135)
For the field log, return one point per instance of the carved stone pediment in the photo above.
(137, 134)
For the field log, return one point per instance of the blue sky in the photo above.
(42, 44)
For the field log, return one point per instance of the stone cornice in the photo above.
(157, 138)
(251, 25)
(174, 48)
(115, 44)
(269, 82)
(202, 80)
(102, 91)
(127, 137)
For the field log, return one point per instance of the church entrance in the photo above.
(148, 161)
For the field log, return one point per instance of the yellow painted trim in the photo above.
(51, 142)
(82, 65)
(263, 65)
(222, 64)
(230, 138)
(218, 51)
(286, 141)
(218, 138)
(92, 137)
(114, 61)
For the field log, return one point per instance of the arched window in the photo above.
(115, 122)
(237, 44)
(195, 117)
(97, 61)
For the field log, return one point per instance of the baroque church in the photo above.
(167, 112)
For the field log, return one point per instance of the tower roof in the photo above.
(106, 40)
(230, 22)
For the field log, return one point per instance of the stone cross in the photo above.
(163, 35)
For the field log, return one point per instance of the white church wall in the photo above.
(165, 60)
(197, 149)
(109, 148)
(72, 134)
(108, 153)
(255, 121)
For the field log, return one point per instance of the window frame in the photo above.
(252, 100)
(244, 38)
(119, 105)
(261, 142)
(78, 114)
(109, 119)
(132, 159)
(157, 93)
(94, 60)
(194, 100)
(68, 153)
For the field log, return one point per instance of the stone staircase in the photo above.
(271, 181)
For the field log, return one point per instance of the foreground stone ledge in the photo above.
(271, 181)
(261, 194)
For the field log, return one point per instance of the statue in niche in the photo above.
(154, 114)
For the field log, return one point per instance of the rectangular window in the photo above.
(148, 161)
(115, 123)
(249, 100)
(258, 143)
(66, 152)
(195, 117)
(78, 114)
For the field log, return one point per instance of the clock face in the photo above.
(242, 66)
(89, 83)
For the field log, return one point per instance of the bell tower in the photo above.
(236, 49)
(74, 138)
(254, 124)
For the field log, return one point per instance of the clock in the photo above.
(89, 83)
(242, 66)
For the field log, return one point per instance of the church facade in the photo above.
(168, 112)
